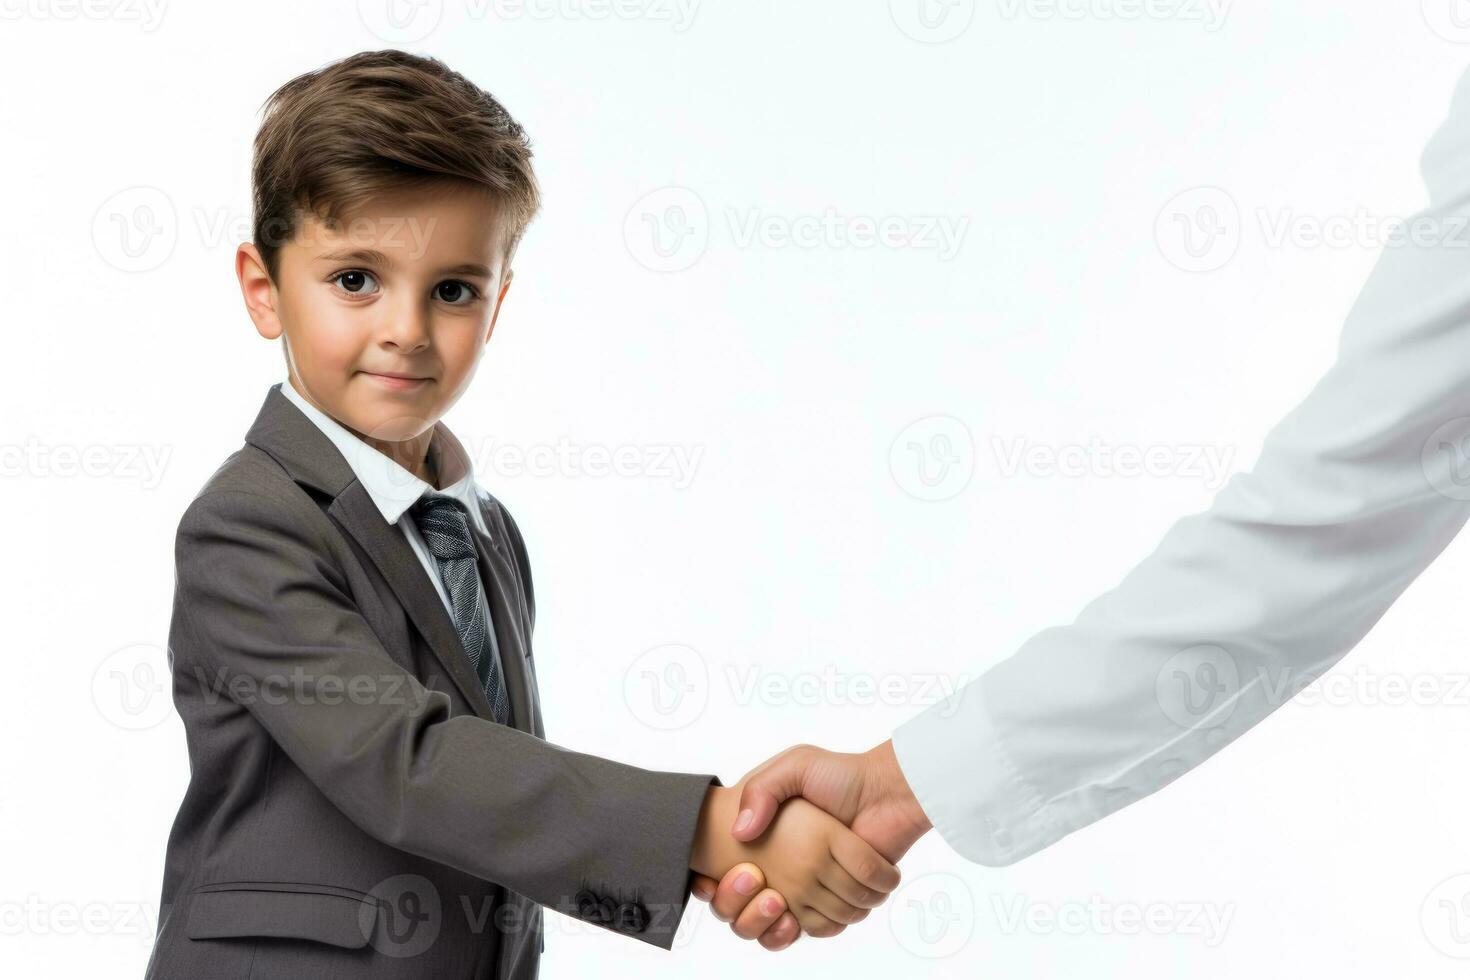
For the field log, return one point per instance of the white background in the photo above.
(1070, 320)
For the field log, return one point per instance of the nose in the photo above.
(405, 327)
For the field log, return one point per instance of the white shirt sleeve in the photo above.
(1355, 492)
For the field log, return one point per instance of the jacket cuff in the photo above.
(651, 912)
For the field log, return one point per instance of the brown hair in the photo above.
(334, 138)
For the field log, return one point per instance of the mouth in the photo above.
(398, 381)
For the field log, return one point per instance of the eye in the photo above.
(457, 292)
(354, 281)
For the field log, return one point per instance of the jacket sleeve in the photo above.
(1240, 606)
(269, 614)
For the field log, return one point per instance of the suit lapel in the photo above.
(495, 574)
(392, 554)
(305, 452)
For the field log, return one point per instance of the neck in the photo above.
(411, 454)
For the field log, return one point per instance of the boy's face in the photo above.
(386, 317)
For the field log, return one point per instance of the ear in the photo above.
(499, 299)
(258, 291)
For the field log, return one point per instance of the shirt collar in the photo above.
(393, 488)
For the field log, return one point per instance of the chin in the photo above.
(393, 424)
(403, 429)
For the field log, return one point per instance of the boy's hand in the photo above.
(829, 876)
(753, 911)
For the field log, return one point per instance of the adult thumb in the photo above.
(766, 788)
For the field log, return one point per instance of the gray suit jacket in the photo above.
(352, 811)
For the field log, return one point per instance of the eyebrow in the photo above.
(371, 256)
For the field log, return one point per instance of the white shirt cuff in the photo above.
(984, 809)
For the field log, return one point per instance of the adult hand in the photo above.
(753, 911)
(865, 790)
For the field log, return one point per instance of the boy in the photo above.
(370, 790)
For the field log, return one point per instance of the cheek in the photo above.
(333, 341)
(329, 342)
(461, 351)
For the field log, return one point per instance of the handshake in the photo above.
(806, 842)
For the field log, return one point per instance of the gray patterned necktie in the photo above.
(444, 525)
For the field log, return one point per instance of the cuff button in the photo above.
(632, 917)
(587, 906)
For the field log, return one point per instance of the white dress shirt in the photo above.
(1355, 492)
(394, 489)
